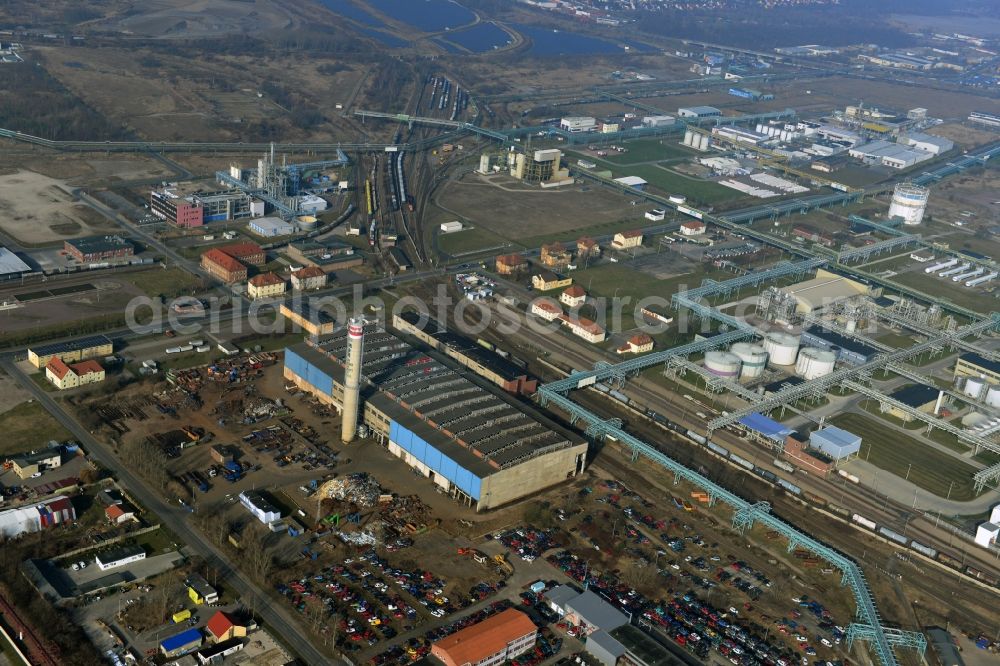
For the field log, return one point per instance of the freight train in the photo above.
(867, 523)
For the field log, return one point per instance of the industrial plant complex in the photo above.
(666, 352)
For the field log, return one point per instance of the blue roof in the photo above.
(836, 436)
(767, 427)
(178, 641)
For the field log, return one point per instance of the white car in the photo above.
(36, 475)
(75, 567)
(83, 564)
(826, 642)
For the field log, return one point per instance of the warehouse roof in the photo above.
(631, 181)
(178, 641)
(10, 263)
(71, 345)
(96, 244)
(474, 643)
(975, 359)
(643, 646)
(484, 357)
(767, 427)
(596, 612)
(559, 595)
(118, 554)
(835, 436)
(605, 642)
(475, 426)
(916, 395)
(824, 290)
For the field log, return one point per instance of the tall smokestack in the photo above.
(352, 378)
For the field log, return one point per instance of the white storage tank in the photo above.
(814, 362)
(753, 358)
(974, 387)
(306, 222)
(723, 364)
(909, 202)
(782, 348)
(688, 138)
(993, 396)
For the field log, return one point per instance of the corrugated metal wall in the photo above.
(427, 454)
(308, 372)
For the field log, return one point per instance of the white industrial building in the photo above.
(578, 123)
(11, 266)
(740, 135)
(889, 154)
(928, 143)
(658, 121)
(698, 112)
(310, 204)
(450, 227)
(259, 507)
(269, 227)
(28, 519)
(119, 557)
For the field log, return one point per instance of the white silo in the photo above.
(814, 362)
(484, 163)
(992, 396)
(688, 138)
(974, 387)
(753, 358)
(722, 364)
(782, 348)
(909, 202)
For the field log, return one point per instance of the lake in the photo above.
(480, 38)
(427, 15)
(547, 42)
(352, 12)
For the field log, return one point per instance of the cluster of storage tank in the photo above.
(697, 140)
(968, 273)
(746, 360)
(809, 362)
(981, 390)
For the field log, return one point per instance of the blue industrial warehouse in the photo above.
(461, 434)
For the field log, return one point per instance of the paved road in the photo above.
(175, 519)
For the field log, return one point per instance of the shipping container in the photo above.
(892, 536)
(861, 520)
(712, 446)
(181, 616)
(921, 548)
(781, 464)
(742, 462)
(790, 487)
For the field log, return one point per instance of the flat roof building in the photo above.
(471, 442)
(496, 639)
(848, 349)
(11, 266)
(312, 320)
(119, 557)
(591, 613)
(765, 429)
(920, 397)
(259, 507)
(823, 291)
(270, 227)
(698, 112)
(93, 249)
(182, 643)
(971, 364)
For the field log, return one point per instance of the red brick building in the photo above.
(224, 267)
(98, 248)
(248, 253)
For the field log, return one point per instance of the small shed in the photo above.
(835, 442)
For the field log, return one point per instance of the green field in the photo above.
(603, 229)
(28, 426)
(610, 279)
(697, 191)
(165, 282)
(648, 150)
(468, 241)
(887, 448)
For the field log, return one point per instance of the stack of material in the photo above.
(358, 488)
(365, 538)
(407, 513)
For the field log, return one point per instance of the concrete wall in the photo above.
(513, 483)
